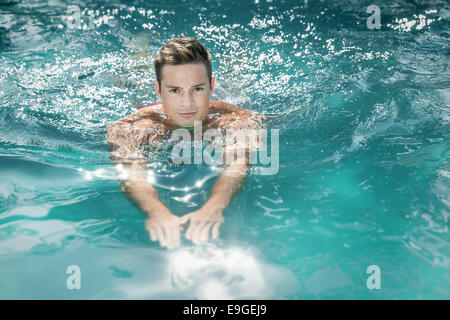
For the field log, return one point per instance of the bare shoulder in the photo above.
(142, 127)
(148, 117)
(227, 115)
(223, 107)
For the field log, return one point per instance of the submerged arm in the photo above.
(210, 216)
(132, 169)
(228, 184)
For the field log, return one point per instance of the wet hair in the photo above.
(182, 50)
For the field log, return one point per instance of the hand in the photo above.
(202, 222)
(165, 228)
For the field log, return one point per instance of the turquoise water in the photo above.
(363, 116)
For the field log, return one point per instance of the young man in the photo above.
(184, 85)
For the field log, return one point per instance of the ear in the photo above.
(157, 89)
(213, 81)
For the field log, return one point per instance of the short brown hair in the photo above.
(182, 50)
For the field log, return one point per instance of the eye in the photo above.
(174, 90)
(199, 89)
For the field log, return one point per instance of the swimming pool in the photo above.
(363, 118)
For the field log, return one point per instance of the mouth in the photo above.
(187, 114)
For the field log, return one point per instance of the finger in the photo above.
(215, 230)
(197, 232)
(171, 236)
(161, 238)
(204, 233)
(168, 239)
(193, 230)
(152, 235)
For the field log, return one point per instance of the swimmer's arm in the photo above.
(137, 188)
(228, 184)
(131, 167)
(209, 217)
(161, 224)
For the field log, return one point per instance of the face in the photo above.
(185, 93)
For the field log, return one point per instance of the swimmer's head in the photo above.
(184, 80)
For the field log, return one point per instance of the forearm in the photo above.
(138, 189)
(228, 184)
(132, 169)
(143, 195)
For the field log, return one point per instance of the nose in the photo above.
(187, 100)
